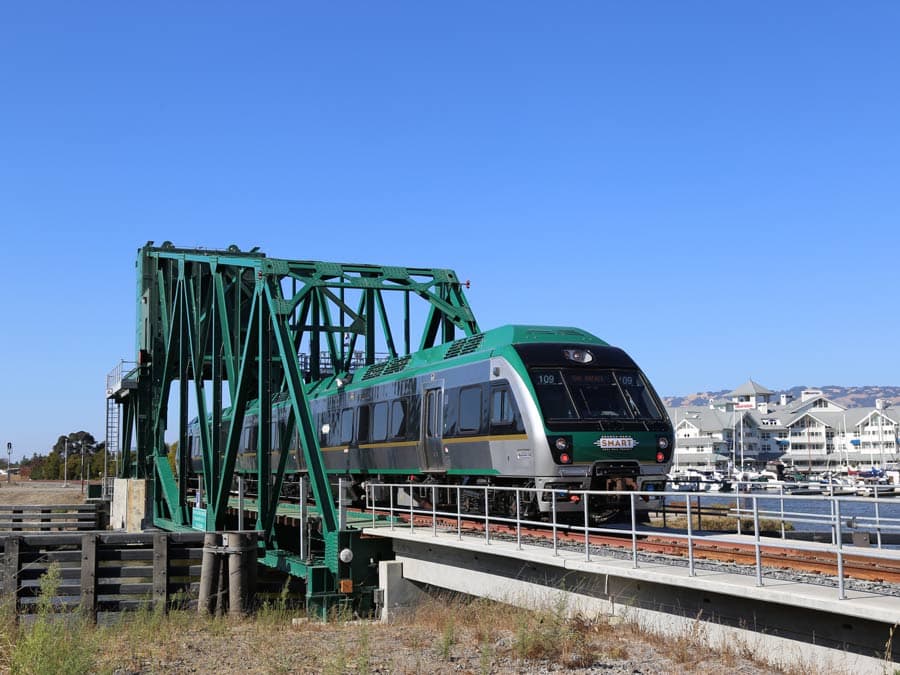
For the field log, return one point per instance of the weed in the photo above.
(685, 647)
(55, 642)
(544, 634)
(277, 611)
(337, 664)
(889, 650)
(363, 650)
(148, 620)
(340, 613)
(485, 658)
(448, 639)
(180, 600)
(8, 629)
(617, 652)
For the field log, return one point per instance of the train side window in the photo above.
(379, 421)
(505, 417)
(470, 409)
(414, 417)
(451, 412)
(346, 430)
(362, 424)
(501, 406)
(398, 419)
(245, 444)
(275, 439)
(249, 434)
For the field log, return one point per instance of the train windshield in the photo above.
(573, 394)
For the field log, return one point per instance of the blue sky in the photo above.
(712, 186)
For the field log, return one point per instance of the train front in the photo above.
(605, 427)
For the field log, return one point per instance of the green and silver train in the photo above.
(545, 408)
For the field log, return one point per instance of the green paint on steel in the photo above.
(229, 325)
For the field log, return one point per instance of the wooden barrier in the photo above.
(103, 572)
(23, 518)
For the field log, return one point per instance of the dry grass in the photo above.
(442, 635)
(466, 636)
(720, 523)
(40, 492)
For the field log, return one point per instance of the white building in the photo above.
(812, 434)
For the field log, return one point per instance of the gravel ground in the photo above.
(364, 647)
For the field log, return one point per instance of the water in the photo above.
(813, 513)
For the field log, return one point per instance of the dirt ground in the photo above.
(40, 492)
(444, 637)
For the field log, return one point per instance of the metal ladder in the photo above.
(112, 440)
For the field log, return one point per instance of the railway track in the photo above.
(780, 557)
(860, 567)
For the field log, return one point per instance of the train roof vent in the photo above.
(465, 346)
(556, 331)
(386, 367)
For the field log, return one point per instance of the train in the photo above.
(550, 410)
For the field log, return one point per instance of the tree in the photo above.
(71, 454)
(172, 456)
(97, 461)
(65, 457)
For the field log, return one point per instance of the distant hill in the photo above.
(850, 397)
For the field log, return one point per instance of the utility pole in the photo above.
(9, 462)
(66, 464)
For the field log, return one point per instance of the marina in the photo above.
(875, 482)
(874, 519)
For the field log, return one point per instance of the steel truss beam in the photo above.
(232, 325)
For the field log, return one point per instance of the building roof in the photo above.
(704, 419)
(751, 388)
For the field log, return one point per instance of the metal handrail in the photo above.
(117, 376)
(833, 519)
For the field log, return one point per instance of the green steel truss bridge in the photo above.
(222, 328)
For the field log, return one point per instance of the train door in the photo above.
(431, 449)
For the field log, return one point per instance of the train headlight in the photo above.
(662, 452)
(561, 449)
(578, 355)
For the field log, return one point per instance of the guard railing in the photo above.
(413, 502)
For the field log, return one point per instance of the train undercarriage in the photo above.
(545, 500)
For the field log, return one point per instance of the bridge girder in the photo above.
(231, 324)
